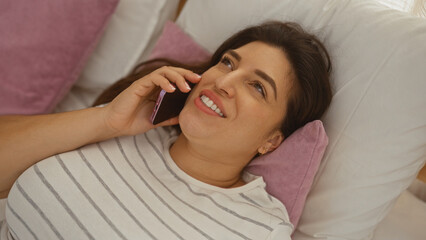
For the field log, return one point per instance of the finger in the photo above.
(192, 77)
(145, 86)
(176, 78)
(163, 82)
(188, 74)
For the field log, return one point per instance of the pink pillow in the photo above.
(290, 169)
(43, 48)
(175, 44)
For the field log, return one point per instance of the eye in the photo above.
(259, 87)
(227, 62)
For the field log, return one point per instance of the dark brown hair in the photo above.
(311, 67)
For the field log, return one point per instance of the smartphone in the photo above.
(169, 105)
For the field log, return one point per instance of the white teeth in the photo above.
(204, 98)
(209, 103)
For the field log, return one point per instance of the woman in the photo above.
(158, 183)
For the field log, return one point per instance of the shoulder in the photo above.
(261, 198)
(268, 209)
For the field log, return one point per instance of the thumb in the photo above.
(168, 122)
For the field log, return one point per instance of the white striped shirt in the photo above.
(130, 188)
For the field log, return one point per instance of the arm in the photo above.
(25, 140)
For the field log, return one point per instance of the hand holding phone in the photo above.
(169, 105)
(129, 112)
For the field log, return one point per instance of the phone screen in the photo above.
(169, 105)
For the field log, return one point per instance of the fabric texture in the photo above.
(289, 170)
(130, 188)
(44, 47)
(376, 120)
(177, 45)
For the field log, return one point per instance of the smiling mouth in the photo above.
(210, 104)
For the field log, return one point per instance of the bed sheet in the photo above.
(407, 219)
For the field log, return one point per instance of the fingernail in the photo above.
(187, 86)
(173, 87)
(199, 76)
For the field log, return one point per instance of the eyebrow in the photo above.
(235, 54)
(258, 72)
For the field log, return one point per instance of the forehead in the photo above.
(269, 59)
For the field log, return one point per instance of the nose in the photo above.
(227, 84)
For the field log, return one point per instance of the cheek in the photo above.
(252, 108)
(258, 120)
(255, 119)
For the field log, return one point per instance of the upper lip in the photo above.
(216, 100)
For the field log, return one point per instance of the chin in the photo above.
(194, 124)
(190, 124)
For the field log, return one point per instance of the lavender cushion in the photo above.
(289, 170)
(44, 45)
(175, 44)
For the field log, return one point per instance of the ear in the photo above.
(272, 142)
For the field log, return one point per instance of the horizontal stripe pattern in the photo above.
(130, 188)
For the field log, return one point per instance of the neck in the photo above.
(206, 165)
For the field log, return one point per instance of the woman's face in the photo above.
(248, 89)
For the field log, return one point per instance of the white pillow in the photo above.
(377, 119)
(131, 32)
